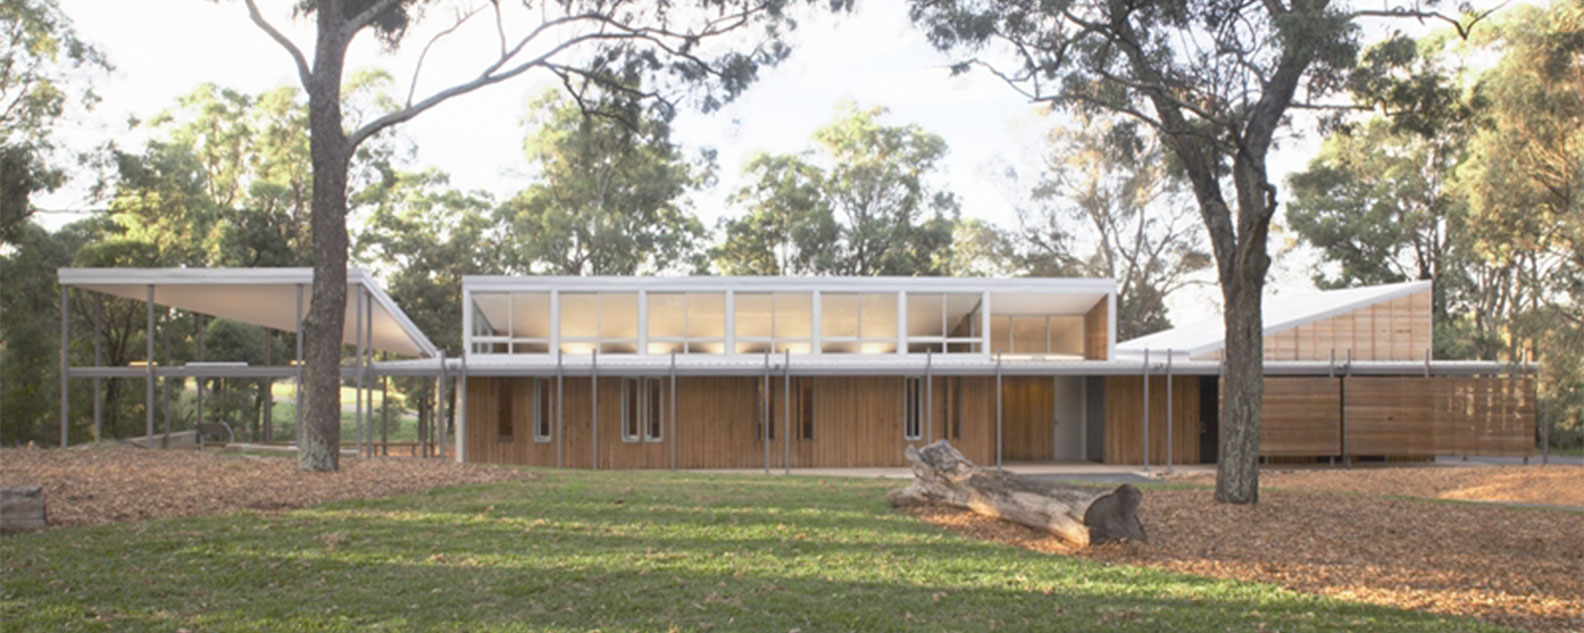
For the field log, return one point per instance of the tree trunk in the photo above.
(1077, 514)
(320, 450)
(1242, 286)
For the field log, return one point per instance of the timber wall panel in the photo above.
(1301, 416)
(1097, 329)
(1124, 412)
(1390, 415)
(718, 423)
(1027, 425)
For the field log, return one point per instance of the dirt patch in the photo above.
(1555, 484)
(1522, 568)
(94, 485)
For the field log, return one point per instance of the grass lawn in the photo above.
(618, 551)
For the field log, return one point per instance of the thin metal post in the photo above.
(267, 425)
(165, 385)
(673, 442)
(929, 395)
(560, 422)
(1545, 428)
(998, 409)
(1146, 410)
(764, 412)
(198, 416)
(98, 405)
(594, 409)
(786, 413)
(298, 364)
(148, 396)
(385, 415)
(357, 376)
(65, 366)
(1169, 399)
(368, 369)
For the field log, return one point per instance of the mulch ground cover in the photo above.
(110, 484)
(1557, 484)
(1515, 567)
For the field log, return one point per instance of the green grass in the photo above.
(617, 552)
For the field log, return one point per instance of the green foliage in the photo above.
(1108, 206)
(582, 550)
(43, 68)
(609, 197)
(860, 204)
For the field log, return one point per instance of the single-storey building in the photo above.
(796, 372)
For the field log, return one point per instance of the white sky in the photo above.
(162, 49)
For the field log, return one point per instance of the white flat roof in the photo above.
(1280, 313)
(486, 283)
(265, 297)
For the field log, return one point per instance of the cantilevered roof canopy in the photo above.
(265, 297)
(1280, 313)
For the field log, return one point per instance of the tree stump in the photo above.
(22, 509)
(1077, 514)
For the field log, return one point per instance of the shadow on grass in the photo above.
(579, 551)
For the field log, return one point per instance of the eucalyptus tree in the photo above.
(712, 49)
(45, 68)
(1217, 81)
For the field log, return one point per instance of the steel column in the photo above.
(786, 413)
(998, 409)
(65, 366)
(148, 396)
(385, 415)
(560, 435)
(1146, 409)
(298, 364)
(673, 440)
(198, 415)
(594, 408)
(764, 412)
(357, 378)
(98, 412)
(929, 395)
(1169, 399)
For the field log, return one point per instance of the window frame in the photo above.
(542, 418)
(913, 409)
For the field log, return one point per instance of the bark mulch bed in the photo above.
(95, 485)
(1515, 567)
(1556, 484)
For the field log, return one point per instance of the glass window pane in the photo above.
(924, 314)
(1028, 335)
(794, 315)
(753, 312)
(667, 315)
(489, 315)
(962, 314)
(879, 315)
(618, 315)
(665, 347)
(579, 314)
(706, 347)
(706, 315)
(1000, 334)
(837, 347)
(1067, 335)
(530, 315)
(753, 347)
(795, 347)
(838, 315)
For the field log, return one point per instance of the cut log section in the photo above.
(22, 509)
(1077, 514)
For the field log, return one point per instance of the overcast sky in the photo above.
(162, 49)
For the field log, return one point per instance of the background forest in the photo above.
(1457, 160)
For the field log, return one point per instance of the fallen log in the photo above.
(22, 509)
(1078, 514)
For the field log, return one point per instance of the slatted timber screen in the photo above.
(1124, 426)
(1301, 416)
(1399, 329)
(1390, 415)
(1486, 415)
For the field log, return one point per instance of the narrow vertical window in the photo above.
(542, 413)
(912, 409)
(653, 426)
(956, 408)
(764, 412)
(632, 410)
(503, 410)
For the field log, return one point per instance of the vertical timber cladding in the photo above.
(1301, 416)
(1392, 415)
(1097, 331)
(1124, 427)
(1028, 433)
(496, 405)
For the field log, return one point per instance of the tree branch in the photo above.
(303, 73)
